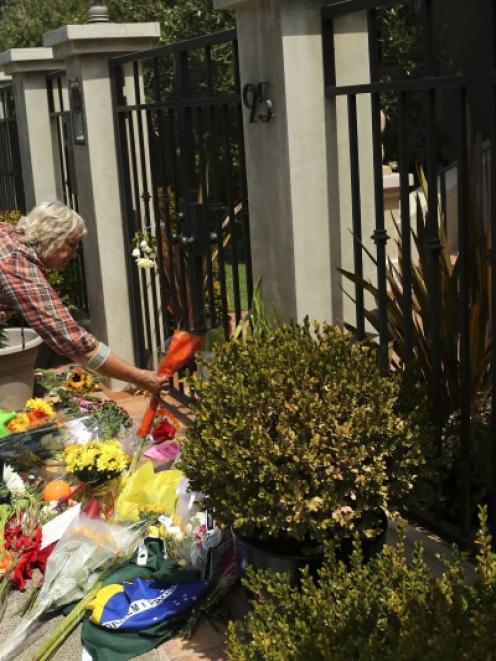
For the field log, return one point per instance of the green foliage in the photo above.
(256, 323)
(385, 610)
(10, 217)
(110, 418)
(25, 21)
(297, 433)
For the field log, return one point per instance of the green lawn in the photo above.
(242, 286)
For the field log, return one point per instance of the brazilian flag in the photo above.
(142, 604)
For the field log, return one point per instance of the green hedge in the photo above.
(385, 610)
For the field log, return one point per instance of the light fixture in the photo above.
(77, 112)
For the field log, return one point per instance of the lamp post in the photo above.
(98, 13)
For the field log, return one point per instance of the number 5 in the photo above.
(255, 95)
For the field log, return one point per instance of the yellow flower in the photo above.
(78, 379)
(38, 404)
(97, 457)
(20, 423)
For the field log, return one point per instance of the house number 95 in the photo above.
(256, 100)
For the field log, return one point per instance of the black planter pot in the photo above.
(271, 556)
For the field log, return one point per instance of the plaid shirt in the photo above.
(24, 288)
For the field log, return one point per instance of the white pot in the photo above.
(17, 367)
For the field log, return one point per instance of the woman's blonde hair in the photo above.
(48, 225)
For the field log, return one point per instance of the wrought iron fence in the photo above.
(432, 306)
(179, 125)
(60, 116)
(11, 184)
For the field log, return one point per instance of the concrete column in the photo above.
(298, 165)
(28, 68)
(87, 50)
(280, 42)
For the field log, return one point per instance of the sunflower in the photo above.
(40, 407)
(20, 423)
(78, 379)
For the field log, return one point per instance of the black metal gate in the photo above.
(179, 126)
(60, 116)
(11, 184)
(435, 305)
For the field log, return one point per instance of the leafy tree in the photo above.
(24, 22)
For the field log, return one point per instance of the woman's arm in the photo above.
(116, 368)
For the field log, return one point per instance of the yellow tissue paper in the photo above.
(145, 487)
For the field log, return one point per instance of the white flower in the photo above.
(136, 252)
(145, 263)
(13, 480)
(148, 250)
(144, 244)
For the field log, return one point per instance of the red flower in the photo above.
(31, 556)
(164, 431)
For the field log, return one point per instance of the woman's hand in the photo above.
(151, 381)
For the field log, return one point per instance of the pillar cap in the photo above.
(97, 38)
(98, 13)
(24, 60)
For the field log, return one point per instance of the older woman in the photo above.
(48, 238)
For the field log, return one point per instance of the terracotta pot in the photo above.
(17, 367)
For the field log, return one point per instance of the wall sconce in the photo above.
(77, 114)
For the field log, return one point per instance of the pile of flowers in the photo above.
(37, 412)
(96, 462)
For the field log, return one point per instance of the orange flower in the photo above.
(36, 417)
(6, 559)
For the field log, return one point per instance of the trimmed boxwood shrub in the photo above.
(384, 610)
(298, 434)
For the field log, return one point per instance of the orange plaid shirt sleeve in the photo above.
(24, 288)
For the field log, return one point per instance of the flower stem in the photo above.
(66, 627)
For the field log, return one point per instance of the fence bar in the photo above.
(356, 210)
(218, 214)
(492, 262)
(406, 252)
(464, 302)
(231, 209)
(428, 37)
(380, 236)
(434, 246)
(137, 226)
(205, 229)
(146, 196)
(11, 183)
(243, 182)
(125, 187)
(179, 217)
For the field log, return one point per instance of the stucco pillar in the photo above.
(280, 43)
(28, 68)
(86, 50)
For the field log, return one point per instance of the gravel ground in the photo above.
(70, 650)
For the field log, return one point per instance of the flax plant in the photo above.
(449, 267)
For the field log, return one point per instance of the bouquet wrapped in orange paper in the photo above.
(182, 348)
